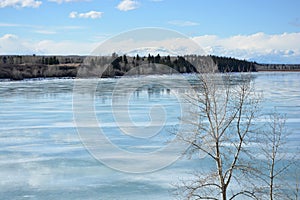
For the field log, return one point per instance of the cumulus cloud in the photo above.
(8, 37)
(126, 5)
(64, 47)
(20, 3)
(183, 23)
(73, 14)
(12, 44)
(91, 14)
(172, 46)
(260, 47)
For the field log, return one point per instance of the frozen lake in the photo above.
(42, 156)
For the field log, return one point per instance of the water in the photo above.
(42, 157)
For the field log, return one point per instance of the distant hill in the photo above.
(18, 67)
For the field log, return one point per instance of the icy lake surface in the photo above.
(42, 156)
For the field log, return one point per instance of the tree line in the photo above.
(124, 62)
(115, 65)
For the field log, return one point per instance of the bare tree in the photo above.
(275, 160)
(296, 190)
(226, 108)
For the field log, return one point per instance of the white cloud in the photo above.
(9, 37)
(91, 14)
(260, 47)
(73, 14)
(20, 3)
(64, 47)
(183, 23)
(174, 46)
(12, 44)
(126, 5)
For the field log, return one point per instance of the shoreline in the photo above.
(70, 72)
(116, 77)
(16, 67)
(280, 70)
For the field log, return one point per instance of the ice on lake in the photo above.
(42, 156)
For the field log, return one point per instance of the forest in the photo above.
(18, 67)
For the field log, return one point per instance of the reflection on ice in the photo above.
(42, 157)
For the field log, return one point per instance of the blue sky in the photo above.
(265, 31)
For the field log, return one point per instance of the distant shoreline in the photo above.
(279, 70)
(17, 67)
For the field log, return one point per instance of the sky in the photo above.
(265, 31)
